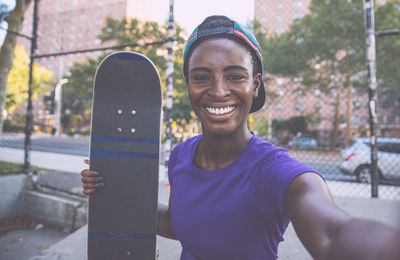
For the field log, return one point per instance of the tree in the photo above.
(326, 50)
(78, 90)
(388, 56)
(18, 80)
(15, 21)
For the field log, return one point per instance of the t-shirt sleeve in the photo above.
(272, 181)
(172, 162)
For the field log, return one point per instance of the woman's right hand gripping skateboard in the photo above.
(91, 180)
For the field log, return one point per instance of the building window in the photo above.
(278, 31)
(299, 93)
(279, 81)
(355, 105)
(263, 9)
(317, 92)
(279, 6)
(298, 16)
(297, 4)
(281, 92)
(317, 106)
(355, 120)
(299, 107)
(279, 107)
(278, 18)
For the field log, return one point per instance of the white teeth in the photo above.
(219, 111)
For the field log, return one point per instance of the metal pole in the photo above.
(28, 124)
(58, 101)
(169, 84)
(371, 63)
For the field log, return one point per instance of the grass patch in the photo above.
(17, 168)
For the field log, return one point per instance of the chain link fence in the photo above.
(317, 93)
(317, 90)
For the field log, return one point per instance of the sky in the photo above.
(190, 13)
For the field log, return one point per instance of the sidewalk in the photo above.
(387, 211)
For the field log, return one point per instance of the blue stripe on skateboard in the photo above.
(119, 235)
(127, 56)
(99, 153)
(125, 140)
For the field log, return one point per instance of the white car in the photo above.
(356, 159)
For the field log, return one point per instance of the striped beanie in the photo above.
(214, 26)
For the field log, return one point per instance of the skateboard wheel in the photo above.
(119, 130)
(133, 130)
(128, 253)
(119, 111)
(133, 112)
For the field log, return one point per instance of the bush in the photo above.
(9, 126)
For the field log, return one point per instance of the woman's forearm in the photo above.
(164, 225)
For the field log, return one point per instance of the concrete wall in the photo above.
(10, 195)
(54, 210)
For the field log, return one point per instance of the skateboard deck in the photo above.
(124, 149)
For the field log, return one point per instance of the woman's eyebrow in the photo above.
(235, 67)
(200, 69)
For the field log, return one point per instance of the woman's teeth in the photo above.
(219, 111)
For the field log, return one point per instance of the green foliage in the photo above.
(77, 93)
(17, 82)
(294, 125)
(15, 168)
(262, 127)
(388, 56)
(331, 40)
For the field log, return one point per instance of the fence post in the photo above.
(372, 86)
(29, 113)
(169, 85)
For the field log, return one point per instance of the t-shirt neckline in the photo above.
(223, 170)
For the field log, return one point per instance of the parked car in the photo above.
(303, 142)
(356, 159)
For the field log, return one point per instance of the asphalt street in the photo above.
(79, 146)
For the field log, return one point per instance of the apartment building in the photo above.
(290, 100)
(69, 25)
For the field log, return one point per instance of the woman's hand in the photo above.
(91, 180)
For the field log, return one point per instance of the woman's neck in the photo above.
(218, 151)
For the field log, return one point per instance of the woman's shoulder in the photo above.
(187, 144)
(263, 151)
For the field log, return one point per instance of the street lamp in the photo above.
(57, 99)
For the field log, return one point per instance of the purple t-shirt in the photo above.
(235, 212)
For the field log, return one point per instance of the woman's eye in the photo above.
(201, 78)
(235, 77)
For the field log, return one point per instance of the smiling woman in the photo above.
(232, 193)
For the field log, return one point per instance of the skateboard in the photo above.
(124, 149)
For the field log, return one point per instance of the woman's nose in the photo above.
(219, 88)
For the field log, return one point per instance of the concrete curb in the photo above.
(63, 212)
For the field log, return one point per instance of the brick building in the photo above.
(276, 16)
(70, 25)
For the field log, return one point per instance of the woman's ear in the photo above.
(257, 84)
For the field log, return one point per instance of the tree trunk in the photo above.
(349, 100)
(15, 21)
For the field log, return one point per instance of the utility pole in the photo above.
(58, 101)
(372, 86)
(29, 114)
(169, 84)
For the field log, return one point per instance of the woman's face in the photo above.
(221, 85)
